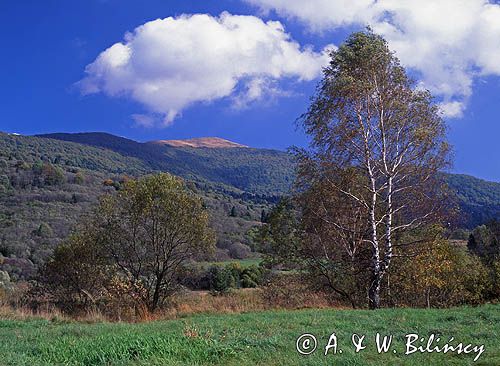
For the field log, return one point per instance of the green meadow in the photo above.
(263, 338)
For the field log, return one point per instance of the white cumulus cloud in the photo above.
(448, 42)
(169, 64)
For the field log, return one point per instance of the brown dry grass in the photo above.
(183, 304)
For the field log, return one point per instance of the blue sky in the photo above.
(48, 45)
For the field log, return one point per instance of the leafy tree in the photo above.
(438, 274)
(251, 277)
(43, 230)
(52, 175)
(236, 270)
(333, 248)
(149, 229)
(263, 216)
(141, 235)
(79, 178)
(484, 241)
(280, 237)
(369, 121)
(239, 251)
(77, 274)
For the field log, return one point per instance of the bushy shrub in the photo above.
(221, 280)
(441, 274)
(495, 279)
(251, 277)
(5, 282)
(235, 270)
(195, 276)
(76, 276)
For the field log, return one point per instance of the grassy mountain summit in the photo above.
(210, 142)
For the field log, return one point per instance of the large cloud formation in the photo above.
(448, 42)
(169, 64)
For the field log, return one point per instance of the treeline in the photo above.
(32, 149)
(151, 239)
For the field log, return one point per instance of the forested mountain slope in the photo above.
(46, 184)
(258, 171)
(479, 200)
(270, 172)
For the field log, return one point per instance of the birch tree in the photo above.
(369, 116)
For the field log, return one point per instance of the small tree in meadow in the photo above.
(144, 234)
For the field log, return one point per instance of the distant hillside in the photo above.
(256, 171)
(263, 172)
(46, 185)
(210, 142)
(31, 149)
(479, 200)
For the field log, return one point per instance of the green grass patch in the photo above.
(266, 338)
(242, 262)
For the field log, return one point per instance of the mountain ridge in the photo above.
(91, 138)
(256, 171)
(265, 171)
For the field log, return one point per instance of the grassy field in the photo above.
(266, 338)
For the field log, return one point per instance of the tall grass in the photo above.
(180, 305)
